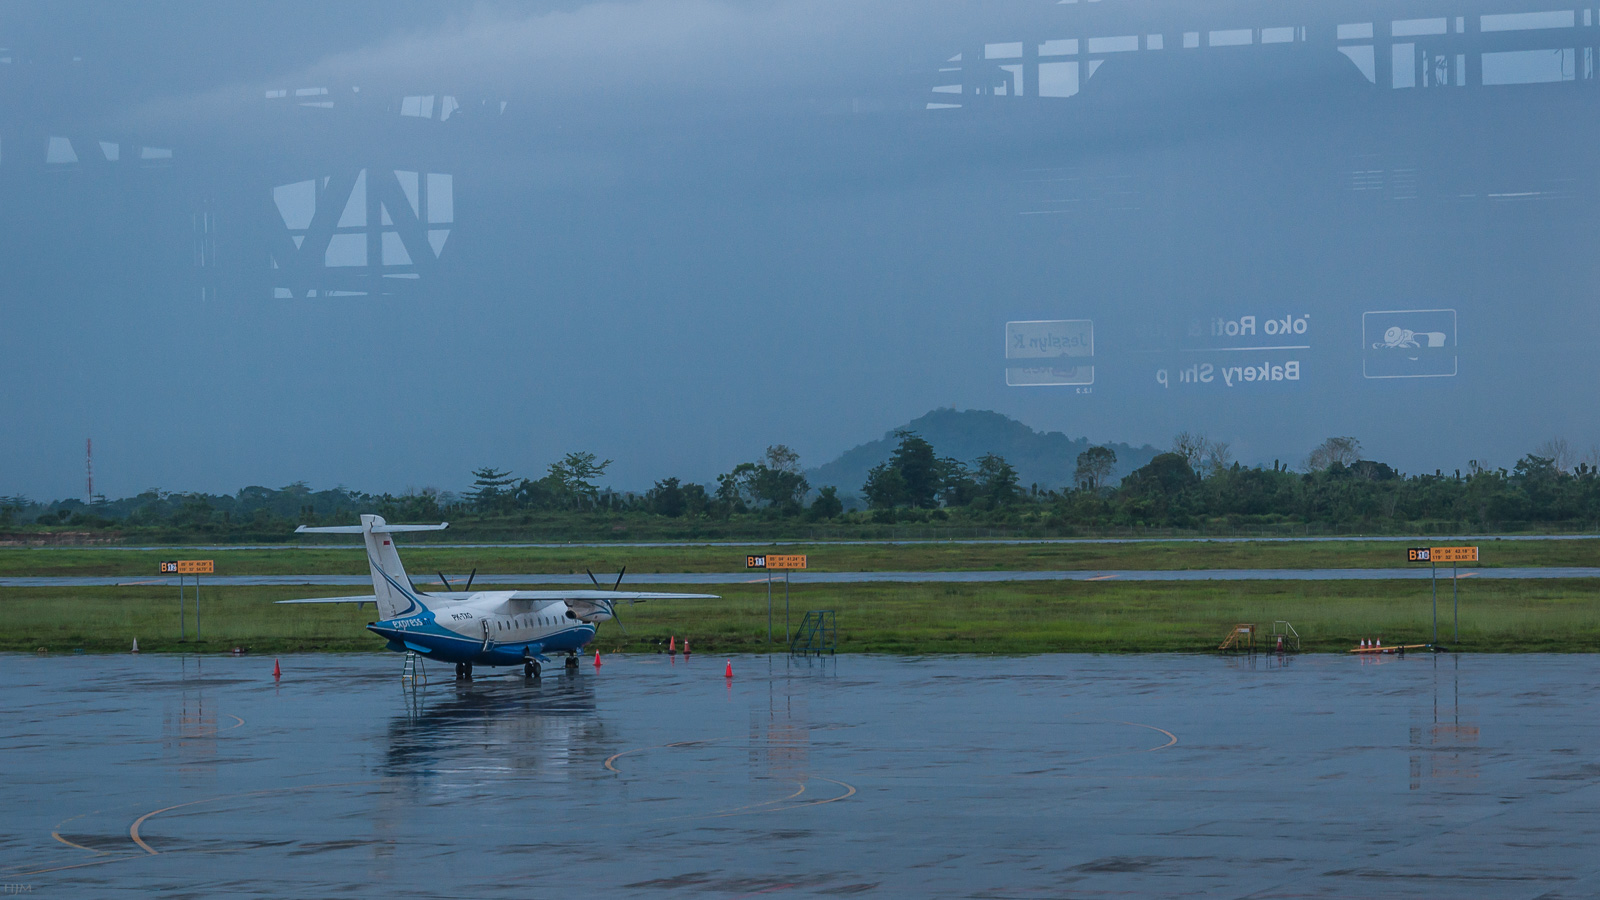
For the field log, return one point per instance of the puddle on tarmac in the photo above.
(951, 776)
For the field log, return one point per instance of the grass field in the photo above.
(423, 561)
(1012, 617)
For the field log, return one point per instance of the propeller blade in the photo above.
(592, 578)
(618, 619)
(446, 582)
(472, 576)
(619, 578)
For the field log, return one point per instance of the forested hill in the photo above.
(1045, 458)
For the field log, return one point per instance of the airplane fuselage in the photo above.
(488, 628)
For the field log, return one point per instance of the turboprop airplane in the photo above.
(468, 628)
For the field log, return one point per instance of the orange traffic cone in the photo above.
(672, 644)
(276, 672)
(728, 672)
(685, 646)
(597, 659)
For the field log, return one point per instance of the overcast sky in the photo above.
(673, 232)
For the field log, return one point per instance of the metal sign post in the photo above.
(1454, 556)
(182, 567)
(1435, 579)
(786, 563)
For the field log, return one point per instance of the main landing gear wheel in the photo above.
(530, 669)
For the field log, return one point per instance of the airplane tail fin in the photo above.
(390, 584)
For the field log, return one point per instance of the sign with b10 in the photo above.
(1419, 554)
(188, 567)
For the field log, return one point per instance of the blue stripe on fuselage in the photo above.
(450, 646)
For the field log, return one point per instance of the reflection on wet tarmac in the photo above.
(953, 776)
(475, 731)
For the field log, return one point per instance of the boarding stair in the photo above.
(413, 670)
(817, 634)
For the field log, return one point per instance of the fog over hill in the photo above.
(1045, 458)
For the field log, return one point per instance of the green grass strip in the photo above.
(1560, 615)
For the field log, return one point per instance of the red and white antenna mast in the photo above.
(88, 468)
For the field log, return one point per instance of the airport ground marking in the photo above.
(237, 723)
(849, 791)
(616, 756)
(763, 806)
(1174, 738)
(769, 805)
(740, 810)
(735, 811)
(56, 833)
(133, 830)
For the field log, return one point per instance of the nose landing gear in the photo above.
(530, 669)
(572, 660)
(463, 671)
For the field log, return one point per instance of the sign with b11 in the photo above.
(775, 561)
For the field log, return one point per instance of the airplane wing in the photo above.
(544, 596)
(376, 529)
(608, 595)
(587, 604)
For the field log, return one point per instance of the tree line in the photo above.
(1196, 485)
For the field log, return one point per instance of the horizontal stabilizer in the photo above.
(366, 599)
(376, 529)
